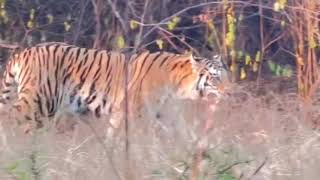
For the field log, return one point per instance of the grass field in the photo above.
(259, 136)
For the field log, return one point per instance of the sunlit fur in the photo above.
(52, 76)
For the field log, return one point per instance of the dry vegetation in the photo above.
(265, 129)
(254, 136)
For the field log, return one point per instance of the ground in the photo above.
(256, 134)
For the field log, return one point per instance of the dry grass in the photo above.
(254, 137)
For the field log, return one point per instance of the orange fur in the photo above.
(52, 76)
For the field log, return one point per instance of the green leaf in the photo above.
(312, 43)
(233, 53)
(225, 4)
(30, 24)
(272, 66)
(283, 23)
(282, 4)
(287, 71)
(173, 23)
(160, 43)
(278, 71)
(2, 4)
(13, 166)
(226, 176)
(247, 59)
(255, 67)
(276, 6)
(2, 12)
(50, 18)
(233, 68)
(176, 19)
(258, 56)
(21, 175)
(211, 26)
(243, 74)
(18, 170)
(121, 42)
(133, 24)
(157, 173)
(241, 17)
(240, 54)
(32, 12)
(231, 37)
(67, 26)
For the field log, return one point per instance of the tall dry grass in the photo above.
(255, 136)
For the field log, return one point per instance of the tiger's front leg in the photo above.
(25, 112)
(114, 124)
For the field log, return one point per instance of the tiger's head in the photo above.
(212, 76)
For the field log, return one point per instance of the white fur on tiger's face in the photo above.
(52, 76)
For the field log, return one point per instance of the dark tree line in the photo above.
(256, 37)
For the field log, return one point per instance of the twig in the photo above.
(97, 11)
(117, 14)
(175, 36)
(141, 27)
(78, 29)
(262, 41)
(183, 42)
(231, 166)
(288, 52)
(170, 41)
(9, 46)
(165, 20)
(132, 9)
(259, 168)
(274, 40)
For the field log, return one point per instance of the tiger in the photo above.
(52, 76)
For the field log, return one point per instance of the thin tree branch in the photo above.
(97, 10)
(138, 42)
(78, 29)
(259, 168)
(117, 14)
(165, 36)
(183, 42)
(9, 46)
(165, 20)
